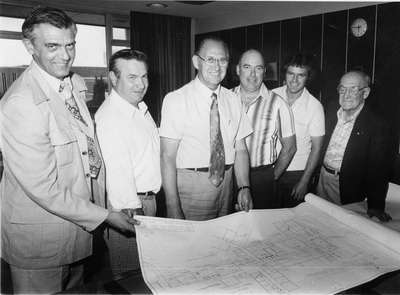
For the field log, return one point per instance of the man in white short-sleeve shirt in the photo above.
(272, 122)
(130, 145)
(310, 130)
(186, 141)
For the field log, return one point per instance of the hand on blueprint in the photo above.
(175, 213)
(300, 190)
(244, 200)
(132, 212)
(380, 214)
(121, 221)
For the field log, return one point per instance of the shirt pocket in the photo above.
(63, 143)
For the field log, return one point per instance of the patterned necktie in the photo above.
(217, 156)
(70, 102)
(72, 106)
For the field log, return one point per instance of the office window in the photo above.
(120, 33)
(13, 53)
(114, 49)
(90, 45)
(12, 24)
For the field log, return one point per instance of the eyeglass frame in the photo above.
(212, 60)
(350, 89)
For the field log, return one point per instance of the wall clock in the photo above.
(359, 27)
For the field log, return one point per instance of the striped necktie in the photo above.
(72, 106)
(217, 153)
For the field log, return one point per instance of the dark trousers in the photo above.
(263, 187)
(285, 186)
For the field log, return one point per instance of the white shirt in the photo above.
(269, 116)
(185, 116)
(130, 146)
(309, 122)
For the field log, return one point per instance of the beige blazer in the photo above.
(45, 191)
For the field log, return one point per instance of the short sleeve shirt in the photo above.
(269, 116)
(185, 116)
(309, 122)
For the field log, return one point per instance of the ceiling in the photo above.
(180, 8)
(211, 15)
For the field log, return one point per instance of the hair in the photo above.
(252, 50)
(126, 54)
(300, 60)
(46, 15)
(212, 38)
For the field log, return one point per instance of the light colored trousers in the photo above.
(122, 248)
(48, 280)
(328, 187)
(200, 199)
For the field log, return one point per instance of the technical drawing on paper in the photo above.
(263, 251)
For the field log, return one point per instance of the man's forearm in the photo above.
(285, 156)
(169, 180)
(242, 168)
(313, 159)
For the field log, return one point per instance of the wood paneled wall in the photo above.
(327, 37)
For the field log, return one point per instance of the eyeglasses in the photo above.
(212, 60)
(353, 90)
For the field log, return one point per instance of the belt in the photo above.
(331, 171)
(149, 193)
(262, 167)
(206, 169)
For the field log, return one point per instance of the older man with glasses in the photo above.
(356, 163)
(202, 141)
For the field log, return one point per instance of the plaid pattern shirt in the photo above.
(340, 137)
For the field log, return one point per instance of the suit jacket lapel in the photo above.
(44, 93)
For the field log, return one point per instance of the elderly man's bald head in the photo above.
(253, 53)
(353, 90)
(362, 77)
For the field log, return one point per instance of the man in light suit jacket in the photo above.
(356, 161)
(53, 170)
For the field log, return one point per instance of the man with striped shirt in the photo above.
(272, 121)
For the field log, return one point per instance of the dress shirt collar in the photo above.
(353, 117)
(125, 107)
(262, 92)
(301, 100)
(52, 81)
(204, 90)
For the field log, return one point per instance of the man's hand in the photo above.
(299, 190)
(121, 221)
(244, 200)
(176, 213)
(380, 214)
(132, 212)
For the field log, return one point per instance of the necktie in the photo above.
(217, 155)
(70, 102)
(72, 106)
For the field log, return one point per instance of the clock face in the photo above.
(359, 27)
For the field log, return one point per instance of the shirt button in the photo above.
(87, 175)
(84, 153)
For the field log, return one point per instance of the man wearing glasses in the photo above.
(202, 141)
(357, 159)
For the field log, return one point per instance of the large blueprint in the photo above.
(316, 247)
